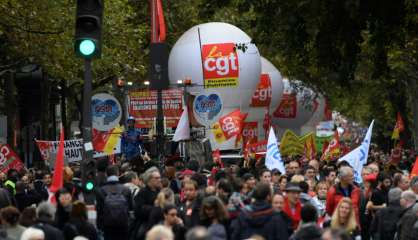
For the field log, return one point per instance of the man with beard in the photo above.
(379, 197)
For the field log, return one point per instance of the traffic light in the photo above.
(88, 174)
(88, 28)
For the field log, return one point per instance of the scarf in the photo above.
(295, 216)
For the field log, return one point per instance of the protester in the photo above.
(173, 222)
(189, 209)
(64, 205)
(260, 218)
(292, 205)
(45, 221)
(308, 229)
(78, 224)
(32, 234)
(214, 216)
(345, 188)
(344, 218)
(113, 207)
(159, 233)
(385, 221)
(10, 219)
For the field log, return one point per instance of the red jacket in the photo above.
(335, 194)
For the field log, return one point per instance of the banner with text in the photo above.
(73, 150)
(143, 106)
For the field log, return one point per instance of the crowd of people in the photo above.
(232, 200)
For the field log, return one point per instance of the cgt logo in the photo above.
(220, 65)
(262, 95)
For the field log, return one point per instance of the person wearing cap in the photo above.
(292, 205)
(131, 143)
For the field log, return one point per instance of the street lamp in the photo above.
(146, 83)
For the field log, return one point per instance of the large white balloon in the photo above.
(296, 106)
(226, 76)
(266, 96)
(318, 115)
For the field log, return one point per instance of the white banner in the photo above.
(73, 150)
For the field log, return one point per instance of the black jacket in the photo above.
(144, 203)
(80, 227)
(190, 214)
(51, 232)
(259, 219)
(100, 198)
(385, 222)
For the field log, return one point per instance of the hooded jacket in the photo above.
(259, 218)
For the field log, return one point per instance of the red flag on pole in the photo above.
(414, 171)
(57, 180)
(158, 29)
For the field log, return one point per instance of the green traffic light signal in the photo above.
(87, 47)
(89, 186)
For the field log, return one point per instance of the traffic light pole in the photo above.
(87, 125)
(160, 127)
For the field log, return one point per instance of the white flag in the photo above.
(273, 158)
(183, 127)
(358, 157)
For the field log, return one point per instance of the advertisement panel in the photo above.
(143, 106)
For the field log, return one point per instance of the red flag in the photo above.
(158, 29)
(266, 123)
(216, 155)
(414, 171)
(57, 179)
(333, 148)
(327, 112)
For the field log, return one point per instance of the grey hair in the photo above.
(409, 196)
(147, 174)
(394, 195)
(197, 233)
(46, 209)
(32, 233)
(159, 232)
(344, 171)
(415, 208)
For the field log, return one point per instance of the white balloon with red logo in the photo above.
(258, 105)
(217, 70)
(317, 117)
(295, 108)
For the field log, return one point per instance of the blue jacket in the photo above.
(131, 144)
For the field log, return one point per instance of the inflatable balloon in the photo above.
(224, 76)
(264, 100)
(317, 117)
(296, 106)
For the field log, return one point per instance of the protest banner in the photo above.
(73, 150)
(9, 159)
(293, 145)
(143, 106)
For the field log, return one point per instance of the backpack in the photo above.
(116, 212)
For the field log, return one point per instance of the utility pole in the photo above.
(158, 69)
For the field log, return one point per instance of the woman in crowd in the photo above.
(214, 215)
(165, 197)
(78, 224)
(344, 218)
(10, 221)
